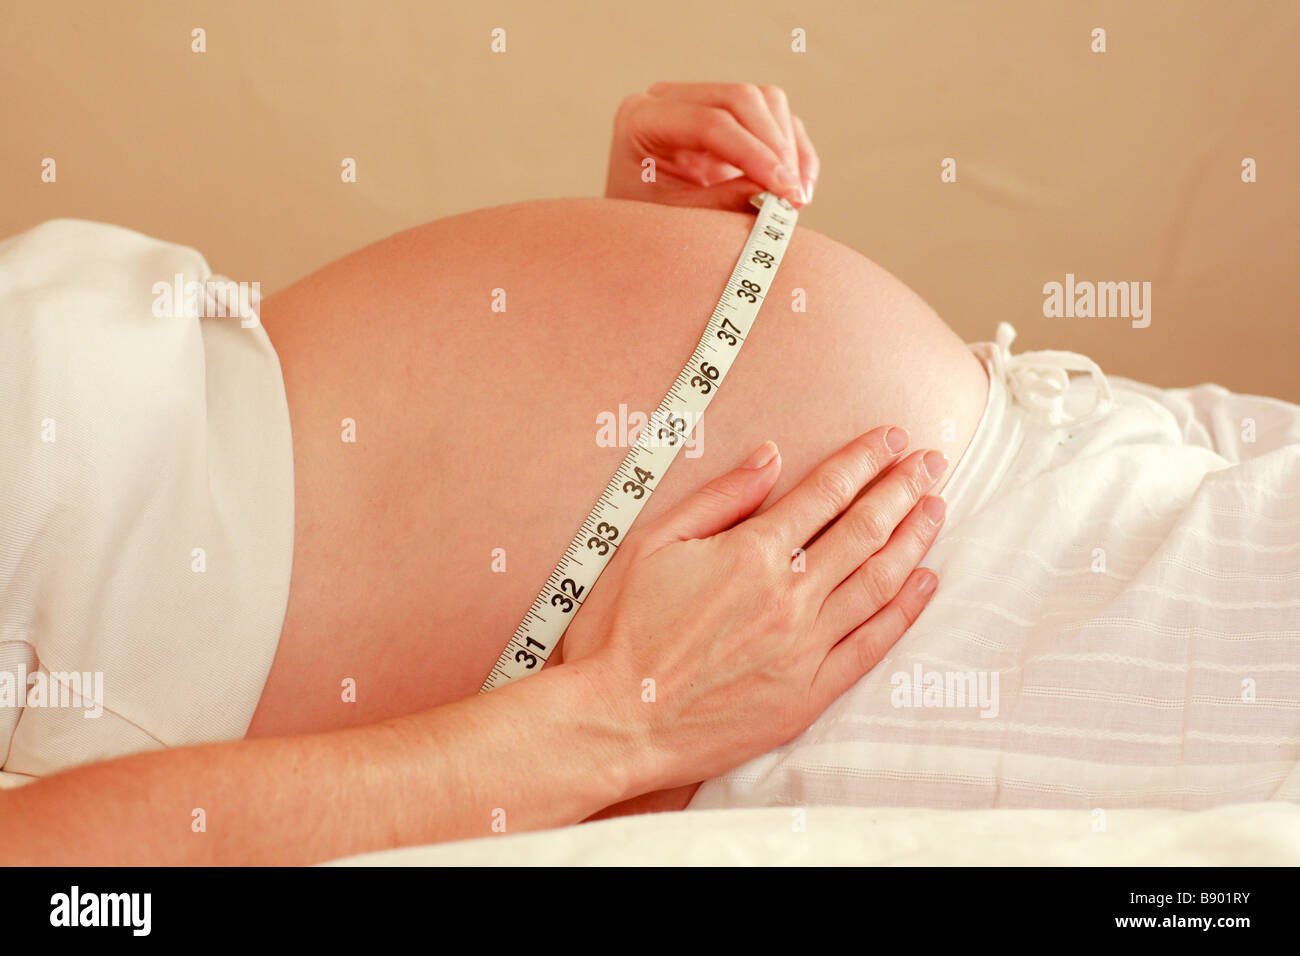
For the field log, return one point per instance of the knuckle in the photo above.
(873, 452)
(909, 610)
(899, 495)
(866, 652)
(745, 95)
(908, 484)
(718, 125)
(880, 582)
(872, 527)
(773, 94)
(723, 488)
(922, 533)
(836, 486)
(918, 480)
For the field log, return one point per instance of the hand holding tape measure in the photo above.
(710, 144)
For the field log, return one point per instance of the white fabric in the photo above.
(1131, 577)
(129, 440)
(1041, 380)
(1241, 835)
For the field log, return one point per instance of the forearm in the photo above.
(539, 753)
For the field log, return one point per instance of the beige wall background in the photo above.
(1122, 166)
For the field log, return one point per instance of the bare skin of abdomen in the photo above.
(477, 429)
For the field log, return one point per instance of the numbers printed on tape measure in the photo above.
(655, 449)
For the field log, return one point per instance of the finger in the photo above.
(881, 576)
(831, 487)
(866, 645)
(863, 530)
(700, 169)
(719, 504)
(750, 108)
(734, 194)
(749, 104)
(810, 165)
(779, 107)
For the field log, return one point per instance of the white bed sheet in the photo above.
(1241, 835)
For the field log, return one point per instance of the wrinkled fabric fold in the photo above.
(146, 498)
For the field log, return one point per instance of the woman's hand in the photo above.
(709, 144)
(744, 649)
(745, 646)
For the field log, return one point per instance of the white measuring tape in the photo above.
(655, 449)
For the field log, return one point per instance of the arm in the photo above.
(543, 750)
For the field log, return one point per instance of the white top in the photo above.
(146, 500)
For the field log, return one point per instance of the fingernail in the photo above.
(808, 187)
(762, 455)
(926, 584)
(935, 463)
(896, 439)
(934, 509)
(787, 180)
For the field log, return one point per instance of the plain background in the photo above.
(1122, 166)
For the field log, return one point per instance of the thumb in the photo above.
(721, 503)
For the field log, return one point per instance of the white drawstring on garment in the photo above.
(1039, 380)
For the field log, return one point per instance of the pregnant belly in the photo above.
(459, 394)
